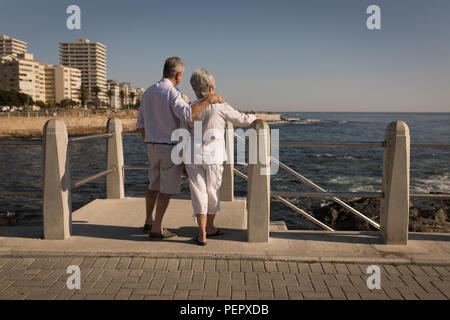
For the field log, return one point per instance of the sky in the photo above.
(304, 56)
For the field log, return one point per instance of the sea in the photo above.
(339, 169)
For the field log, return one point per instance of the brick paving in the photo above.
(124, 278)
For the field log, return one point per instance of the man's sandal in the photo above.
(165, 235)
(147, 228)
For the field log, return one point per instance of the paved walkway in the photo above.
(118, 261)
(126, 278)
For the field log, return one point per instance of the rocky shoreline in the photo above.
(424, 216)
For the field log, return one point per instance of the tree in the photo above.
(84, 96)
(96, 90)
(40, 104)
(68, 103)
(110, 93)
(132, 95)
(14, 98)
(122, 97)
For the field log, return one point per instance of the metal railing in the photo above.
(336, 195)
(116, 167)
(76, 185)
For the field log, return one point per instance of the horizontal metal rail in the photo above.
(312, 184)
(332, 144)
(135, 168)
(430, 145)
(356, 144)
(425, 196)
(20, 193)
(131, 133)
(290, 205)
(21, 143)
(90, 137)
(91, 178)
(372, 195)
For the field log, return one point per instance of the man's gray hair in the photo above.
(201, 80)
(172, 67)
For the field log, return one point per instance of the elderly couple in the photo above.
(162, 111)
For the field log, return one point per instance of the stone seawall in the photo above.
(269, 117)
(23, 127)
(19, 127)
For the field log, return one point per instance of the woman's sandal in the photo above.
(200, 243)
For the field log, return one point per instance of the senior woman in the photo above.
(205, 164)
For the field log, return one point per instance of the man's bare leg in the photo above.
(150, 201)
(201, 220)
(162, 202)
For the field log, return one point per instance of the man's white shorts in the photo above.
(164, 176)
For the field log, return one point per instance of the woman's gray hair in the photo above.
(201, 80)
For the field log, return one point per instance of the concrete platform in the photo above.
(114, 228)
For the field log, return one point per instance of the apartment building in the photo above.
(41, 81)
(62, 83)
(22, 73)
(11, 46)
(90, 59)
(114, 89)
(139, 94)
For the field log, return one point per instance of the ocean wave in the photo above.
(337, 156)
(308, 121)
(363, 188)
(436, 183)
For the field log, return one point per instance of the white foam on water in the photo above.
(436, 183)
(329, 155)
(340, 180)
(364, 188)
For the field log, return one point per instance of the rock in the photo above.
(440, 216)
(424, 216)
(413, 213)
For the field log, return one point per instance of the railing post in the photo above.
(227, 188)
(258, 186)
(57, 207)
(394, 215)
(114, 155)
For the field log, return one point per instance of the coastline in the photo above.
(32, 127)
(18, 127)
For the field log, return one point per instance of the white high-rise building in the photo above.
(90, 59)
(23, 74)
(62, 83)
(11, 46)
(41, 81)
(114, 87)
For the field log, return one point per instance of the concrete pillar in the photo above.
(394, 215)
(227, 188)
(57, 207)
(258, 186)
(114, 156)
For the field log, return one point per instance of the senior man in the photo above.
(161, 110)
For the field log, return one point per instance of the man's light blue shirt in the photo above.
(161, 110)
